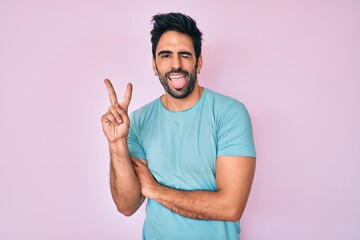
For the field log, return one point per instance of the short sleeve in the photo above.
(134, 146)
(235, 135)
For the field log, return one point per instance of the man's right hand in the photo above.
(115, 122)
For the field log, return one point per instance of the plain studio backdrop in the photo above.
(294, 64)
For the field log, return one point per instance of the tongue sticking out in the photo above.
(178, 83)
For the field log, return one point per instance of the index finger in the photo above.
(111, 90)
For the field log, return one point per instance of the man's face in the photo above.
(175, 64)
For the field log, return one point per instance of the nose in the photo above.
(176, 62)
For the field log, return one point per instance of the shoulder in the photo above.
(146, 108)
(144, 111)
(223, 103)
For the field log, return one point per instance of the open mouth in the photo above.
(177, 80)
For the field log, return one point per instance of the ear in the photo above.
(154, 65)
(199, 63)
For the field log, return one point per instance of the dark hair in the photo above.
(175, 22)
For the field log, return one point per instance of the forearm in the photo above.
(227, 203)
(200, 204)
(124, 184)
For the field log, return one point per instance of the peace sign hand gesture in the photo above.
(116, 122)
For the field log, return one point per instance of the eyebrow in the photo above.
(164, 52)
(185, 52)
(170, 52)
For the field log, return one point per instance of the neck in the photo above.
(176, 105)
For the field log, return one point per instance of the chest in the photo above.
(181, 151)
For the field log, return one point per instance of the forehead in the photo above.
(175, 41)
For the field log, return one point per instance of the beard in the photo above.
(183, 92)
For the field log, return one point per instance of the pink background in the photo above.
(295, 65)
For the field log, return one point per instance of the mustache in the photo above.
(179, 70)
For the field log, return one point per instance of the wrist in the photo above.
(156, 191)
(118, 147)
(120, 141)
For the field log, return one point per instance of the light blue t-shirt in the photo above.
(181, 150)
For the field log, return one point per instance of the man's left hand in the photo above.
(147, 180)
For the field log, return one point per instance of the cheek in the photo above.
(163, 68)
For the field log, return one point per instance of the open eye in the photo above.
(164, 56)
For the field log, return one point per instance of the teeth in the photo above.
(177, 76)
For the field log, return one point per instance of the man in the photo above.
(190, 152)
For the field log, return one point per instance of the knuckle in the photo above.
(104, 117)
(119, 108)
(108, 116)
(113, 110)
